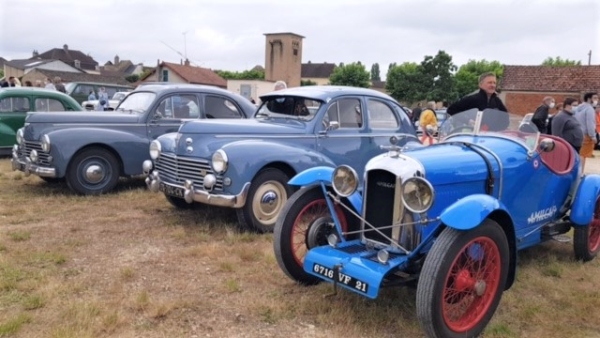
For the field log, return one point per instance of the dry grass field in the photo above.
(127, 264)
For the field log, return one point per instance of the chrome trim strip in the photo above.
(108, 124)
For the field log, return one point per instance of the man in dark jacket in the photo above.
(485, 98)
(565, 125)
(540, 117)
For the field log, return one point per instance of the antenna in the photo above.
(173, 49)
(185, 45)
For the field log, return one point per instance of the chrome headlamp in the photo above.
(155, 149)
(220, 161)
(20, 137)
(345, 180)
(417, 194)
(33, 156)
(46, 143)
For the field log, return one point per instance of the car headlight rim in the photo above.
(46, 145)
(220, 161)
(155, 149)
(344, 180)
(425, 197)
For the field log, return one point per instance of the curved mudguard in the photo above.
(470, 211)
(323, 174)
(584, 203)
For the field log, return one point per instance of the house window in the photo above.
(165, 75)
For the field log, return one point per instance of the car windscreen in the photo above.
(136, 102)
(292, 107)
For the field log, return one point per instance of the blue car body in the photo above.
(528, 184)
(141, 117)
(284, 141)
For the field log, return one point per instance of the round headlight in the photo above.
(417, 194)
(46, 143)
(155, 149)
(345, 180)
(20, 138)
(219, 161)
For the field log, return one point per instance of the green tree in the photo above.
(133, 78)
(354, 75)
(467, 77)
(253, 74)
(1, 73)
(375, 74)
(559, 62)
(307, 83)
(404, 82)
(438, 77)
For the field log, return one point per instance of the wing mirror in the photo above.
(333, 125)
(547, 145)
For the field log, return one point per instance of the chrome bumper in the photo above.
(29, 168)
(191, 194)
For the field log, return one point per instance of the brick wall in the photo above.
(526, 102)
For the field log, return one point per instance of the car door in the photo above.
(342, 133)
(220, 107)
(13, 110)
(167, 115)
(385, 119)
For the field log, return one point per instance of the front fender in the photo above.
(131, 148)
(584, 203)
(244, 163)
(470, 211)
(323, 174)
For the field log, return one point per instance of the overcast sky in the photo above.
(228, 34)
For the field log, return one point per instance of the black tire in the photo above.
(290, 241)
(451, 266)
(586, 239)
(93, 171)
(266, 197)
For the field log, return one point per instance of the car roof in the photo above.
(323, 93)
(30, 90)
(102, 84)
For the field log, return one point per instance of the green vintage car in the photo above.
(15, 102)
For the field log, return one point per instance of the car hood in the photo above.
(82, 117)
(243, 126)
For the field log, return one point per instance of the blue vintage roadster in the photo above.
(449, 218)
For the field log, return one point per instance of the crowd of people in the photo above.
(577, 122)
(48, 83)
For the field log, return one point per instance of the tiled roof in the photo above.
(69, 56)
(550, 79)
(317, 70)
(84, 77)
(26, 63)
(196, 75)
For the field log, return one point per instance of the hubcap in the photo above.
(318, 232)
(268, 201)
(94, 173)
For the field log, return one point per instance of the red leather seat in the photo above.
(561, 159)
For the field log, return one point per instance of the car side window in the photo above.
(347, 112)
(218, 107)
(180, 106)
(381, 116)
(14, 104)
(84, 89)
(45, 104)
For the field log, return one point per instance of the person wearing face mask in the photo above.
(540, 117)
(586, 116)
(565, 125)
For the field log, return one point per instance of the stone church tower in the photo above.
(283, 58)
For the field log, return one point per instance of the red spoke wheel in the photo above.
(462, 281)
(304, 210)
(586, 240)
